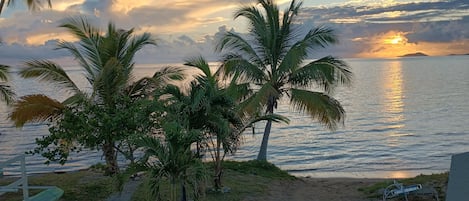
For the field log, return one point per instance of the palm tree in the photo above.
(107, 62)
(32, 4)
(209, 108)
(176, 162)
(273, 57)
(211, 105)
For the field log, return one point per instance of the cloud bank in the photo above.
(188, 28)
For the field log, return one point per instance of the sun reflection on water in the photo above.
(393, 85)
(400, 174)
(393, 101)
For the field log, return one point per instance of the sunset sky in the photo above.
(184, 28)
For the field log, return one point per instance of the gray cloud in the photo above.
(15, 54)
(410, 12)
(442, 21)
(170, 50)
(443, 31)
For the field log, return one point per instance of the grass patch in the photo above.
(438, 181)
(244, 179)
(260, 168)
(77, 186)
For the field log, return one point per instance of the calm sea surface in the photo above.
(405, 116)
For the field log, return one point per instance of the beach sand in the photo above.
(318, 189)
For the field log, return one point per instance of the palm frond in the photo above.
(294, 57)
(320, 106)
(90, 39)
(233, 63)
(48, 71)
(34, 108)
(320, 36)
(257, 25)
(4, 70)
(147, 85)
(77, 54)
(233, 42)
(259, 99)
(110, 82)
(7, 95)
(238, 91)
(75, 99)
(135, 45)
(201, 64)
(167, 74)
(327, 72)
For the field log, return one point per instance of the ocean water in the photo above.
(405, 116)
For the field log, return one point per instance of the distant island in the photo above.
(458, 54)
(417, 54)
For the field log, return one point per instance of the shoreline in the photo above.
(384, 174)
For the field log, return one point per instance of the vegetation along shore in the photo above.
(182, 134)
(244, 181)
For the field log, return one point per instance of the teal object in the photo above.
(51, 194)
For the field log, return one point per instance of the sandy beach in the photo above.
(318, 189)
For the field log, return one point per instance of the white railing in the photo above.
(21, 183)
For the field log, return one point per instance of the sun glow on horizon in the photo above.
(396, 39)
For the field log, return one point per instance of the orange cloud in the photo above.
(64, 5)
(394, 44)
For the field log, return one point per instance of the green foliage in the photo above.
(169, 158)
(256, 167)
(6, 93)
(207, 107)
(102, 119)
(246, 180)
(78, 186)
(91, 126)
(98, 167)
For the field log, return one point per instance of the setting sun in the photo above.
(394, 40)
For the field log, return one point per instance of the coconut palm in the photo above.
(32, 4)
(273, 56)
(107, 62)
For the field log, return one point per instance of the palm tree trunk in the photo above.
(218, 170)
(111, 158)
(262, 156)
(173, 190)
(184, 193)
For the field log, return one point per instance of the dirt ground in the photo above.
(318, 189)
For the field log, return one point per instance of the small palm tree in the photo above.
(32, 4)
(210, 109)
(107, 61)
(211, 105)
(175, 162)
(273, 57)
